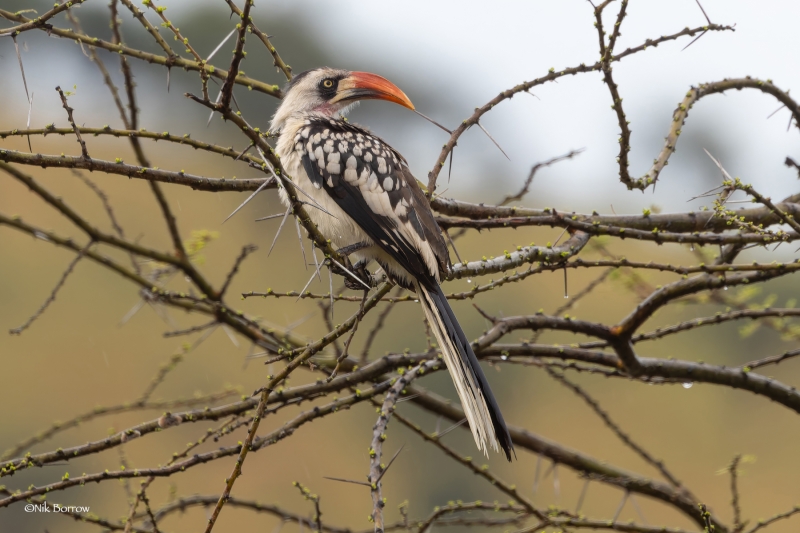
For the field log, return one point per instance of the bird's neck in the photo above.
(291, 126)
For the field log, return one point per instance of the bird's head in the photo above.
(331, 92)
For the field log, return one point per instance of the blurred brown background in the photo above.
(78, 356)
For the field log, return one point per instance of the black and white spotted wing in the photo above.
(371, 183)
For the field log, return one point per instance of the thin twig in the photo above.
(536, 168)
(51, 298)
(226, 93)
(69, 110)
(733, 470)
(247, 250)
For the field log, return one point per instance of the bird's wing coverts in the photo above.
(372, 184)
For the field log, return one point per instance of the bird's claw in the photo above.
(359, 270)
(347, 250)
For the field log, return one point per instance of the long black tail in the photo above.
(480, 406)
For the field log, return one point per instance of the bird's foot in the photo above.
(356, 277)
(347, 250)
(360, 270)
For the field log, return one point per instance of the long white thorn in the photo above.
(21, 68)
(536, 474)
(300, 238)
(211, 115)
(260, 188)
(429, 119)
(270, 217)
(300, 321)
(309, 204)
(556, 482)
(135, 309)
(351, 274)
(314, 254)
(220, 45)
(25, 83)
(582, 497)
(451, 428)
(316, 273)
(230, 335)
(719, 165)
(279, 230)
(621, 505)
(30, 108)
(638, 509)
(492, 139)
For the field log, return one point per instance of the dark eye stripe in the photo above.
(327, 87)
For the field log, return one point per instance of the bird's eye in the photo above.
(328, 83)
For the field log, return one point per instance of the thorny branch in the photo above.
(626, 439)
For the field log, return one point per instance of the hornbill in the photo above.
(372, 208)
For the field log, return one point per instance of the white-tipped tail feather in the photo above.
(477, 400)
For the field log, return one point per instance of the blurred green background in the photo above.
(448, 58)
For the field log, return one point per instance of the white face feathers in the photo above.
(308, 93)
